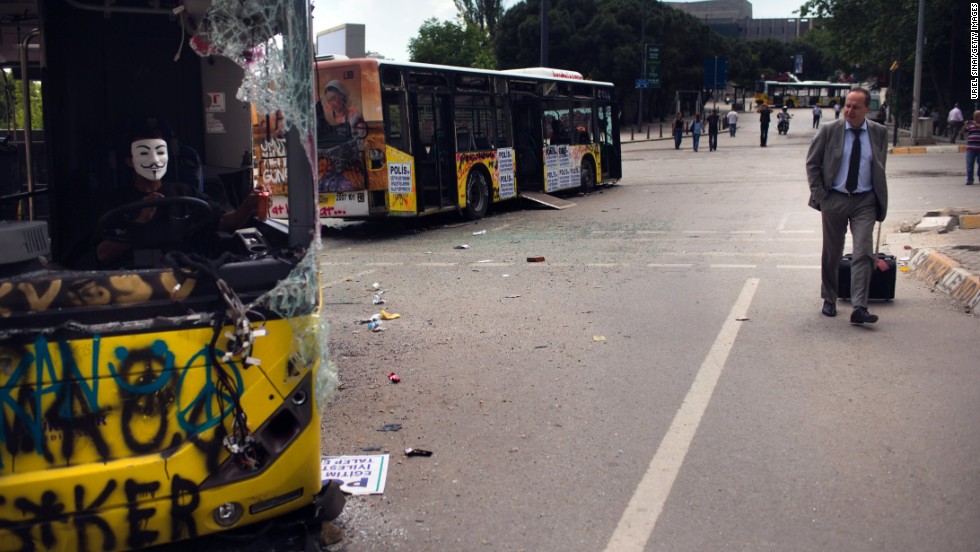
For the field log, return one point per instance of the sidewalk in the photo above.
(944, 253)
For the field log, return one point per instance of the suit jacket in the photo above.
(826, 154)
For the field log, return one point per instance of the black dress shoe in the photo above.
(860, 315)
(829, 308)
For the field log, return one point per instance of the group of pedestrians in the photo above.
(710, 125)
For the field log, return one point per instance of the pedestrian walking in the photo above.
(764, 119)
(697, 127)
(713, 121)
(836, 110)
(955, 122)
(972, 132)
(845, 168)
(678, 130)
(732, 122)
(817, 112)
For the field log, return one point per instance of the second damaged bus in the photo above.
(412, 139)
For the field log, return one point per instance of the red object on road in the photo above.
(394, 377)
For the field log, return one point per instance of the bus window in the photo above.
(503, 128)
(555, 120)
(473, 123)
(581, 130)
(395, 123)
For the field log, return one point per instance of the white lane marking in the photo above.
(347, 278)
(797, 232)
(651, 231)
(747, 232)
(799, 267)
(644, 508)
(731, 266)
(383, 264)
(437, 264)
(669, 265)
(699, 231)
(605, 265)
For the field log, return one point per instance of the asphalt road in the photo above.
(664, 380)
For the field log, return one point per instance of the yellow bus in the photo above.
(412, 139)
(801, 93)
(174, 391)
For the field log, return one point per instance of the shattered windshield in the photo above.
(275, 53)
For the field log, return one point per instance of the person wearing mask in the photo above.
(148, 157)
(845, 169)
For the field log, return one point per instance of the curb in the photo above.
(952, 148)
(943, 273)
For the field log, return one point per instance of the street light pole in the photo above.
(917, 82)
(643, 64)
(544, 33)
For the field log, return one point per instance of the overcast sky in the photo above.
(390, 24)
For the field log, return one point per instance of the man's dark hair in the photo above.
(867, 95)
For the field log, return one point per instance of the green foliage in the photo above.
(867, 46)
(480, 13)
(449, 43)
(11, 96)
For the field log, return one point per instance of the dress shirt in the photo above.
(864, 175)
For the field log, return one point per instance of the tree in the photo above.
(449, 43)
(869, 45)
(11, 103)
(483, 14)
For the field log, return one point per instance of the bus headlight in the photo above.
(228, 514)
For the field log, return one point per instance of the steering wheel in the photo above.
(182, 218)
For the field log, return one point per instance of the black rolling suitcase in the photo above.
(882, 282)
(882, 277)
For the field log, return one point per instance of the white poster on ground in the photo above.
(358, 475)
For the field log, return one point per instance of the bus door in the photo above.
(434, 151)
(612, 166)
(526, 113)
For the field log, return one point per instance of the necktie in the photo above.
(855, 164)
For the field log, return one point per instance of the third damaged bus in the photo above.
(412, 139)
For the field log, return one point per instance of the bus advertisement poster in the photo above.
(505, 173)
(560, 169)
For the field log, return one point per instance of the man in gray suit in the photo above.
(845, 168)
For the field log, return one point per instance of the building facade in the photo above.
(733, 18)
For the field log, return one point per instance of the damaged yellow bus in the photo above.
(163, 360)
(411, 139)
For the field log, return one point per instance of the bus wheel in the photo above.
(587, 173)
(477, 195)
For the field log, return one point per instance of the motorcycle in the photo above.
(783, 125)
